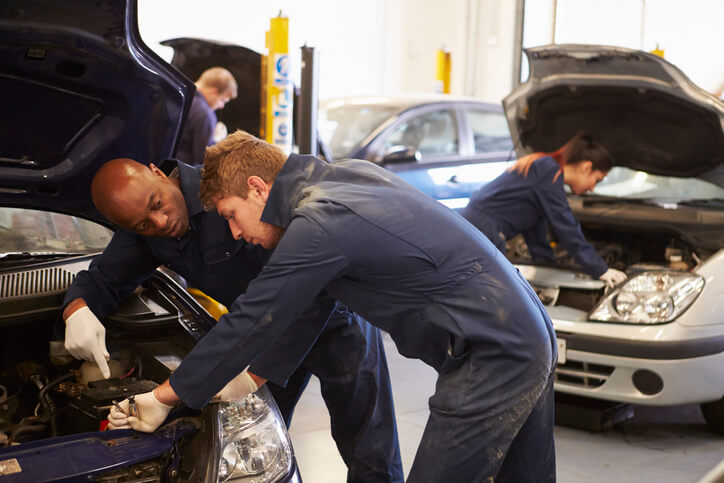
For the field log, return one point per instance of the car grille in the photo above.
(34, 282)
(582, 374)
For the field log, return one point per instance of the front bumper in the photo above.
(643, 372)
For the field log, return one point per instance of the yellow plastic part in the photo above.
(279, 97)
(214, 308)
(658, 51)
(443, 71)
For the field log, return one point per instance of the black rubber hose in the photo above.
(24, 429)
(48, 404)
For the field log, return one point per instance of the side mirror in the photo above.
(400, 154)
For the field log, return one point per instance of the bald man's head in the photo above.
(140, 198)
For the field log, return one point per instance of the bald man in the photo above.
(214, 89)
(162, 222)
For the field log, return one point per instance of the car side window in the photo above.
(432, 134)
(490, 131)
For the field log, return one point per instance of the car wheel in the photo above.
(714, 414)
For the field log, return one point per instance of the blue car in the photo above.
(445, 146)
(78, 87)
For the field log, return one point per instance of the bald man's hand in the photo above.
(85, 338)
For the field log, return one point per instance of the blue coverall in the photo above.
(348, 358)
(421, 272)
(513, 203)
(198, 132)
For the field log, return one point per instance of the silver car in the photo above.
(657, 338)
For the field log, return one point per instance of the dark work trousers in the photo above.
(490, 420)
(358, 396)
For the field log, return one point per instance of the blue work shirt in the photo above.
(198, 132)
(395, 256)
(513, 203)
(209, 258)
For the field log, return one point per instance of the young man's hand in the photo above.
(150, 413)
(239, 387)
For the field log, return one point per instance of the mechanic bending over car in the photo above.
(530, 193)
(162, 221)
(214, 88)
(407, 264)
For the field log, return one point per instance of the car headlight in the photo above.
(650, 298)
(255, 447)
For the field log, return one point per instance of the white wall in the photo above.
(388, 46)
(350, 36)
(364, 47)
(689, 31)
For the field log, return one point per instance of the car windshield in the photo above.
(343, 127)
(35, 232)
(626, 183)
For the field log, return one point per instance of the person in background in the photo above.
(214, 89)
(408, 265)
(530, 195)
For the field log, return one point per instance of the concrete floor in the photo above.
(658, 445)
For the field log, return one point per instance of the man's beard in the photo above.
(272, 235)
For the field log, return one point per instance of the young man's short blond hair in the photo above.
(229, 164)
(219, 78)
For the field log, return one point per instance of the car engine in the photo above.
(563, 284)
(45, 392)
(620, 250)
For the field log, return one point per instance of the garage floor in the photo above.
(658, 444)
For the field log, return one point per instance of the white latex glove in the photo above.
(238, 388)
(151, 413)
(85, 338)
(612, 277)
(118, 419)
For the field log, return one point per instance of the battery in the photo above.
(97, 399)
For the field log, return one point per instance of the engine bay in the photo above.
(621, 249)
(563, 284)
(45, 392)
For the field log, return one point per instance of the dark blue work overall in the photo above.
(421, 272)
(513, 203)
(198, 131)
(348, 358)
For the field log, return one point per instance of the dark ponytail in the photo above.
(582, 147)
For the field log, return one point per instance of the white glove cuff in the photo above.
(153, 395)
(79, 313)
(252, 384)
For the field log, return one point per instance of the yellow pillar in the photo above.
(278, 86)
(442, 79)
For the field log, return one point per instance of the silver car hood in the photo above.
(648, 114)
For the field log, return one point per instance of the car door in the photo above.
(446, 164)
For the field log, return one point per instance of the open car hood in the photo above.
(78, 88)
(648, 114)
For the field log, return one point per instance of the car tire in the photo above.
(714, 414)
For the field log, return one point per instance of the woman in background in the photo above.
(531, 193)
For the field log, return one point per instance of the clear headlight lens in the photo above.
(254, 441)
(650, 298)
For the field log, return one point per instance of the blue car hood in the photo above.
(78, 88)
(80, 457)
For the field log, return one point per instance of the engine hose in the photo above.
(27, 429)
(48, 404)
